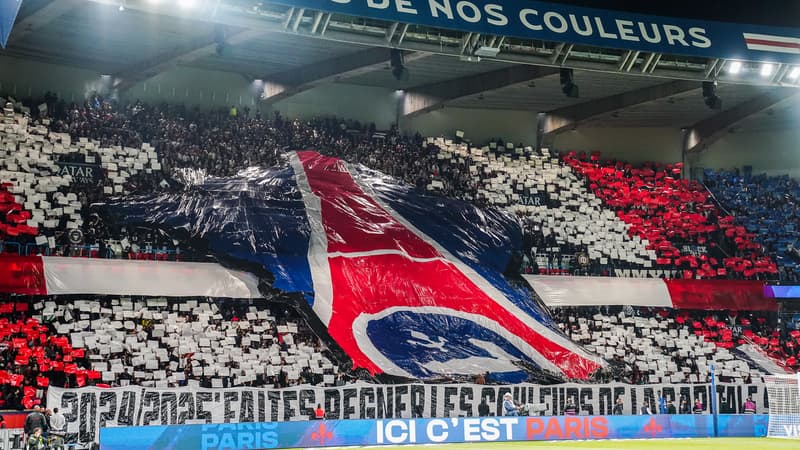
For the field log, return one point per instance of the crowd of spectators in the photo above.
(676, 217)
(155, 342)
(653, 345)
(615, 215)
(767, 206)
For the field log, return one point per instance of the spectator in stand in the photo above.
(662, 404)
(35, 421)
(57, 423)
(509, 408)
(2, 422)
(483, 409)
(698, 407)
(570, 409)
(618, 407)
(683, 407)
(319, 413)
(671, 408)
(645, 409)
(749, 406)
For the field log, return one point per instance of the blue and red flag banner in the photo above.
(406, 283)
(8, 15)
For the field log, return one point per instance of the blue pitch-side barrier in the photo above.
(426, 431)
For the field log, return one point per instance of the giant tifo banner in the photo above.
(402, 290)
(8, 14)
(89, 409)
(573, 24)
(736, 295)
(309, 434)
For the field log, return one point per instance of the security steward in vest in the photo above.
(319, 413)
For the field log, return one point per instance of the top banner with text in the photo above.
(589, 26)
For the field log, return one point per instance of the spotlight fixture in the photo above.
(568, 87)
(710, 95)
(767, 69)
(794, 74)
(186, 4)
(397, 63)
(734, 67)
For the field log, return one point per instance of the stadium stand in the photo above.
(767, 207)
(49, 181)
(543, 193)
(676, 217)
(594, 200)
(154, 342)
(217, 343)
(677, 346)
(681, 230)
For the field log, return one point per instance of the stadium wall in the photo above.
(479, 126)
(772, 152)
(24, 78)
(363, 103)
(634, 145)
(196, 87)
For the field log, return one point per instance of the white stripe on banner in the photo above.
(596, 291)
(317, 244)
(66, 276)
(383, 252)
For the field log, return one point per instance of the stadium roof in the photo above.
(293, 49)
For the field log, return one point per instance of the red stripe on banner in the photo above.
(23, 275)
(736, 295)
(353, 221)
(375, 283)
(772, 43)
(370, 284)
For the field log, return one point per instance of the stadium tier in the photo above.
(119, 342)
(569, 205)
(767, 207)
(676, 218)
(307, 226)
